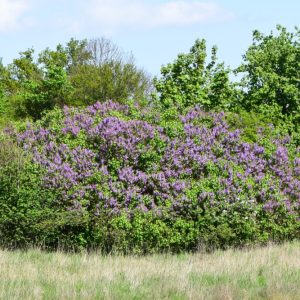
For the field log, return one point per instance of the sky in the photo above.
(154, 31)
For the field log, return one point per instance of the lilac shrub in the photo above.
(110, 161)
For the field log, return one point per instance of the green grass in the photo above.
(272, 272)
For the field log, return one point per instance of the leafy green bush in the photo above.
(28, 214)
(103, 177)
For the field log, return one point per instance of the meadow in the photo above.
(271, 272)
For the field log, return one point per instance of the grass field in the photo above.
(272, 272)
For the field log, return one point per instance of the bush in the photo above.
(28, 213)
(104, 177)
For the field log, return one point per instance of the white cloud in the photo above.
(11, 12)
(117, 13)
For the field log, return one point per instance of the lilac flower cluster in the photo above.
(104, 159)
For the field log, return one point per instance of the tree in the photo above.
(20, 71)
(190, 80)
(4, 107)
(77, 54)
(53, 90)
(2, 71)
(103, 50)
(80, 73)
(106, 73)
(39, 85)
(271, 72)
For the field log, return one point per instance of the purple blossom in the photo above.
(106, 166)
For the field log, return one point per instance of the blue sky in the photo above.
(154, 31)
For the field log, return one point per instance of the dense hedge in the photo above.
(118, 178)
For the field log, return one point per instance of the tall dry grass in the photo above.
(272, 272)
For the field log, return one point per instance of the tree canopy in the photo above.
(271, 71)
(191, 79)
(80, 73)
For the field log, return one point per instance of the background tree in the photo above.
(2, 89)
(106, 73)
(271, 72)
(79, 73)
(21, 71)
(42, 84)
(191, 80)
(103, 50)
(77, 54)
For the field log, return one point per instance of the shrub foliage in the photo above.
(109, 176)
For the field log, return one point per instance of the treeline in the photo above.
(96, 154)
(84, 72)
(78, 74)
